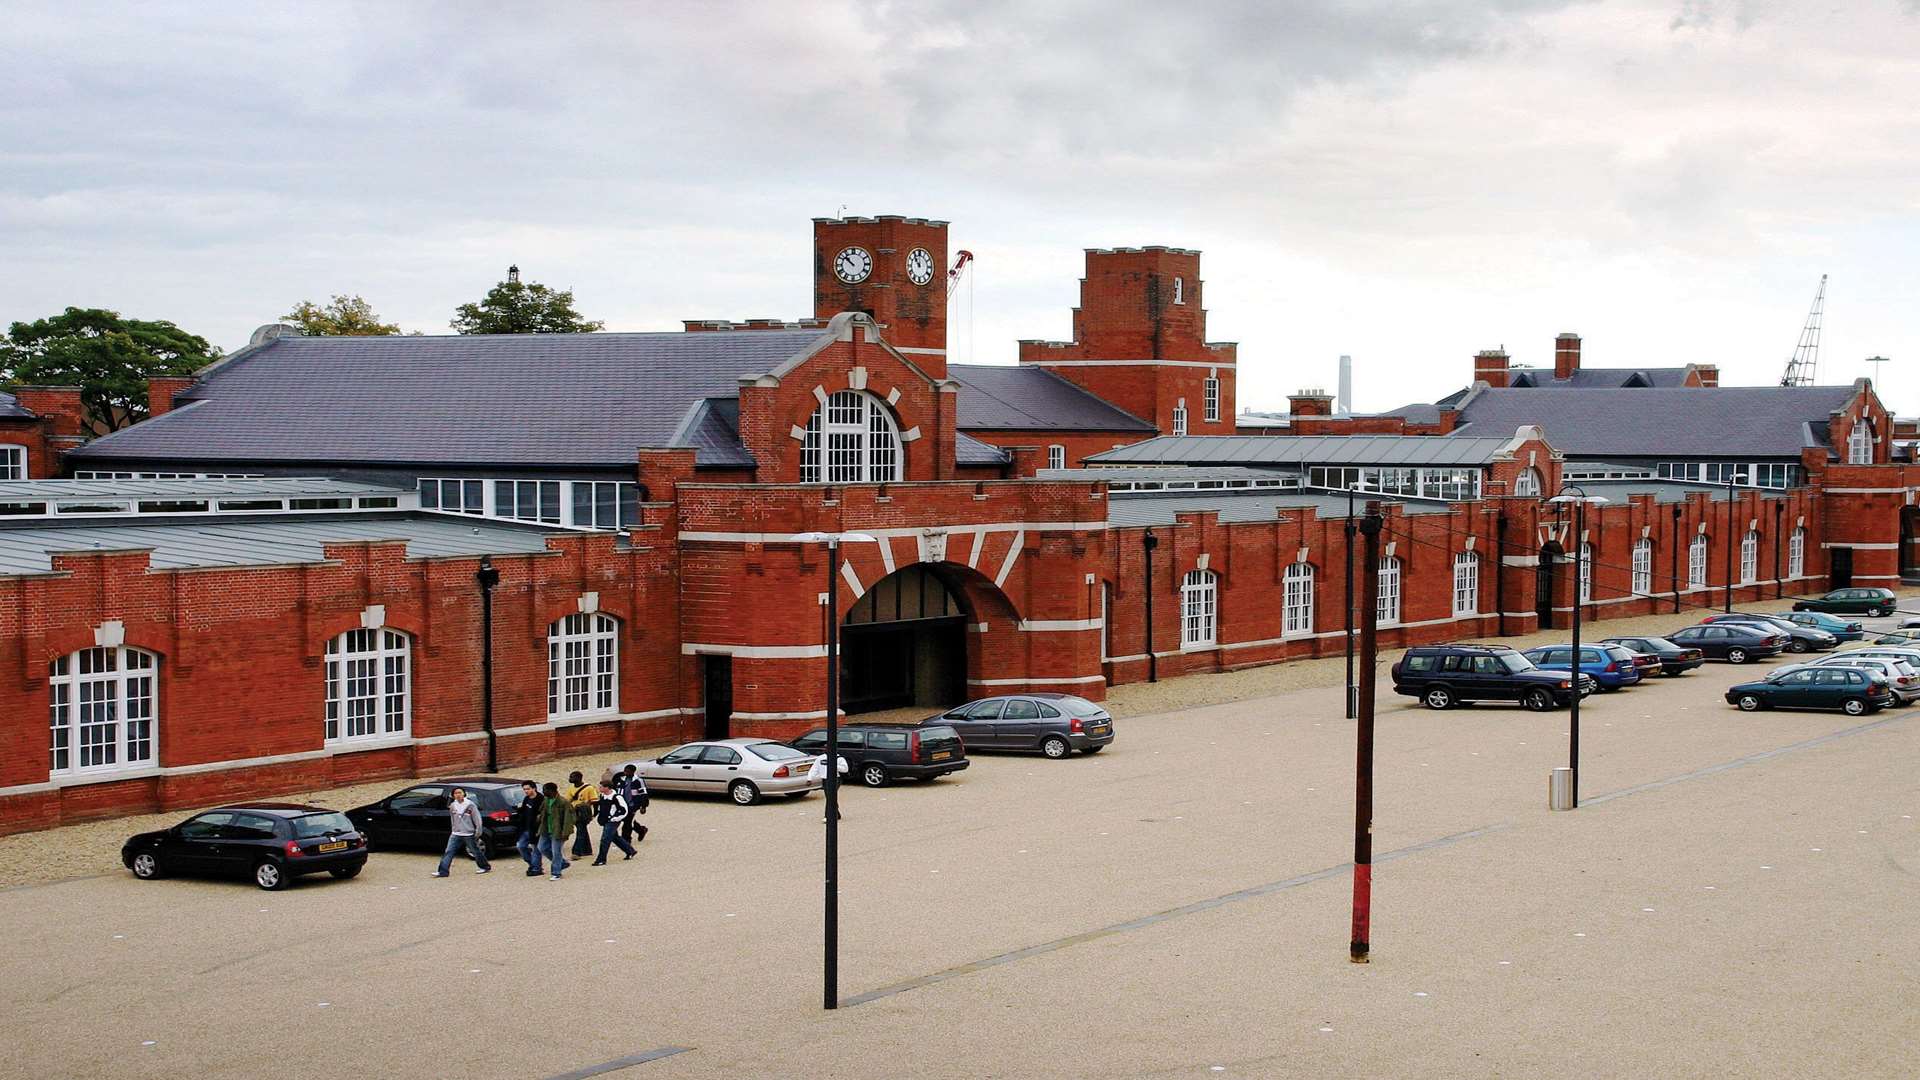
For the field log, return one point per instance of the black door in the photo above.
(717, 675)
(1543, 582)
(416, 818)
(194, 847)
(1840, 567)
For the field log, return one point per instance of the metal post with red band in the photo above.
(1370, 526)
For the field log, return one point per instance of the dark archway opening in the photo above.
(1910, 542)
(904, 643)
(1545, 576)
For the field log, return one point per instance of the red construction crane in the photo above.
(959, 270)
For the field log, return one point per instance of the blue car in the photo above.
(1611, 666)
(1841, 629)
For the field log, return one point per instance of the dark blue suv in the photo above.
(1443, 676)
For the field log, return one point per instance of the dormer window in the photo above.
(850, 440)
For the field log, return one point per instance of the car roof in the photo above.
(1465, 645)
(278, 809)
(473, 781)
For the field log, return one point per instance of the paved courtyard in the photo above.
(1736, 898)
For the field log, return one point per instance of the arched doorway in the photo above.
(904, 642)
(1545, 577)
(1910, 542)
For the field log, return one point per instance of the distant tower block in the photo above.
(1344, 407)
(893, 268)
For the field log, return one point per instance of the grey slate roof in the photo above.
(1027, 398)
(1272, 450)
(1598, 378)
(712, 428)
(968, 450)
(10, 407)
(244, 487)
(513, 399)
(1673, 422)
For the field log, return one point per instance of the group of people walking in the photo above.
(548, 818)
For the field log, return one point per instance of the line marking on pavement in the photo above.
(617, 1064)
(1741, 762)
(1161, 916)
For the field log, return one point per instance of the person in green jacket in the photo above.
(556, 824)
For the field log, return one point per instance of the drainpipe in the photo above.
(1674, 553)
(1729, 595)
(1779, 586)
(1148, 542)
(487, 577)
(1500, 572)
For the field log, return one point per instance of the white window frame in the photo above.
(13, 461)
(1750, 557)
(583, 666)
(482, 497)
(1527, 482)
(1296, 605)
(1466, 584)
(1180, 417)
(851, 439)
(1056, 456)
(103, 702)
(1386, 607)
(369, 677)
(1860, 443)
(1586, 573)
(1697, 562)
(1199, 610)
(1797, 552)
(1179, 290)
(1210, 398)
(1643, 567)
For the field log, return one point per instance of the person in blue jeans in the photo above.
(526, 820)
(464, 832)
(612, 812)
(556, 824)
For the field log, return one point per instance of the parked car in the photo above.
(415, 818)
(881, 753)
(1898, 637)
(1841, 629)
(744, 769)
(1443, 676)
(1611, 666)
(272, 843)
(1054, 724)
(1800, 639)
(1902, 678)
(1736, 643)
(1674, 659)
(1852, 602)
(1909, 653)
(1815, 686)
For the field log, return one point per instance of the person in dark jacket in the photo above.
(613, 812)
(584, 797)
(526, 823)
(637, 800)
(556, 824)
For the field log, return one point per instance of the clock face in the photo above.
(919, 266)
(852, 265)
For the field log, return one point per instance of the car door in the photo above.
(978, 728)
(1794, 690)
(243, 841)
(1715, 640)
(418, 817)
(194, 845)
(1019, 725)
(1482, 680)
(675, 772)
(853, 746)
(718, 766)
(813, 742)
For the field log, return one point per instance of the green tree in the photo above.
(343, 316)
(513, 307)
(109, 357)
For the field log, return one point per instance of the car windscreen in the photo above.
(1077, 706)
(1514, 662)
(308, 826)
(938, 733)
(773, 751)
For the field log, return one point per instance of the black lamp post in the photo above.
(1579, 500)
(487, 577)
(1351, 529)
(1729, 598)
(1148, 542)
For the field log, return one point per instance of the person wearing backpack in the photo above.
(613, 813)
(583, 798)
(556, 821)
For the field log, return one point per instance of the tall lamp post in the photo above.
(1579, 499)
(1351, 529)
(487, 577)
(831, 598)
(1730, 497)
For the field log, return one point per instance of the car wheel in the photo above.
(1736, 656)
(743, 792)
(146, 866)
(268, 875)
(873, 774)
(1438, 697)
(1055, 747)
(1798, 646)
(1537, 700)
(1854, 706)
(1750, 703)
(345, 872)
(1093, 750)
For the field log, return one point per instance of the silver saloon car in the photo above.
(1054, 724)
(742, 769)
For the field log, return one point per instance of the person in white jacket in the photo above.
(818, 772)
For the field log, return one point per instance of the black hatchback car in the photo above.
(1674, 659)
(1054, 724)
(1736, 643)
(417, 819)
(881, 753)
(1443, 676)
(272, 843)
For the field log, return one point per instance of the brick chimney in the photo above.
(1310, 403)
(1566, 355)
(161, 390)
(60, 406)
(1490, 367)
(1709, 374)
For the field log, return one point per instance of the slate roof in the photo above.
(1270, 450)
(9, 407)
(1675, 422)
(968, 450)
(512, 399)
(1598, 378)
(1027, 398)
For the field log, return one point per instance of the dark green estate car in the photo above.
(1854, 692)
(1852, 602)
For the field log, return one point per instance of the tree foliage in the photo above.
(343, 316)
(108, 356)
(514, 307)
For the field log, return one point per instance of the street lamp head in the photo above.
(488, 576)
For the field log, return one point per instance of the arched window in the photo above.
(1211, 399)
(1797, 552)
(102, 708)
(850, 440)
(1296, 602)
(1466, 584)
(1180, 417)
(1750, 557)
(1527, 483)
(1056, 456)
(1586, 573)
(1697, 562)
(369, 685)
(1643, 567)
(1860, 443)
(1198, 610)
(1386, 607)
(583, 666)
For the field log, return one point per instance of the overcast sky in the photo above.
(1407, 182)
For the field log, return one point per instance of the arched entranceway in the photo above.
(1545, 577)
(1910, 542)
(904, 642)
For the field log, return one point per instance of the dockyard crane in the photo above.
(1804, 366)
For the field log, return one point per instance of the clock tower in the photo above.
(893, 268)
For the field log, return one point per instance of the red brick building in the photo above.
(38, 424)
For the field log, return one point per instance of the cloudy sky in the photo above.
(1404, 181)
